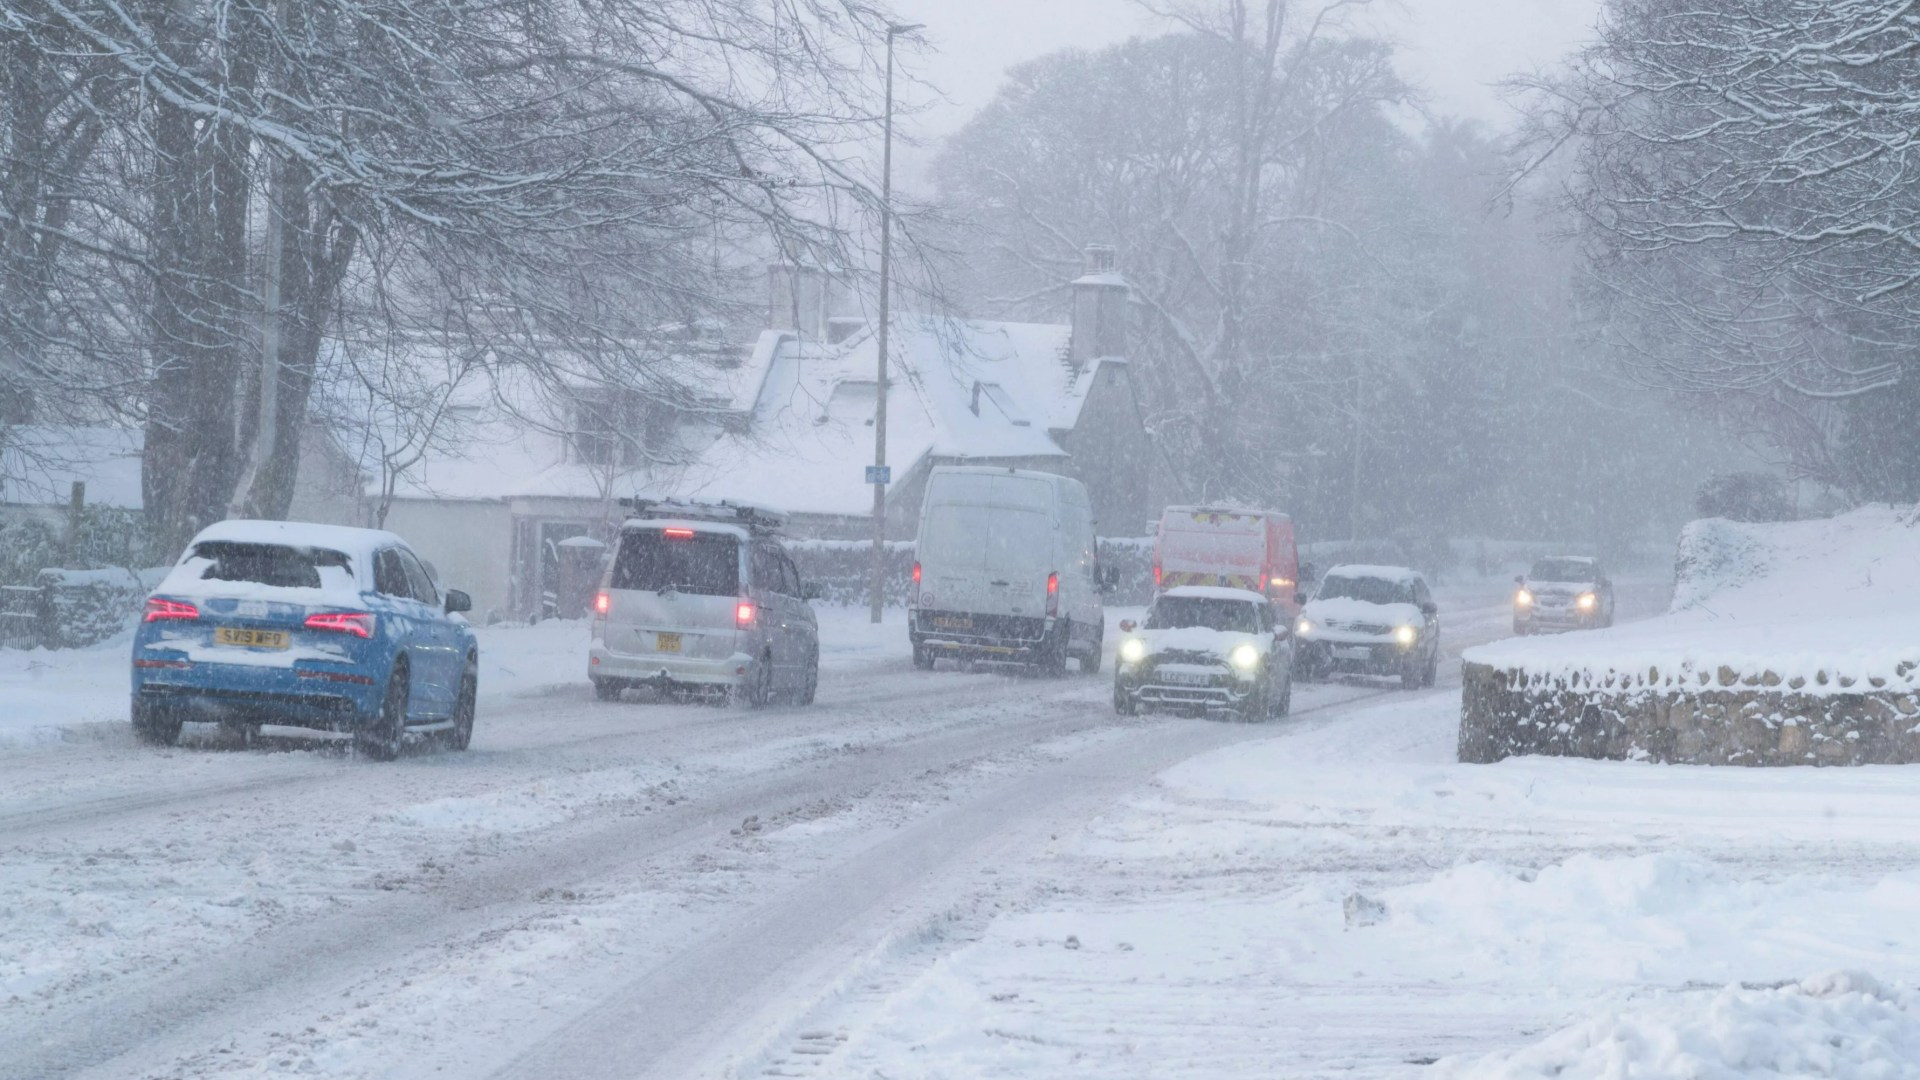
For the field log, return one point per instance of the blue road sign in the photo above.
(879, 474)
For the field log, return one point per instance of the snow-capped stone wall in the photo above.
(1731, 720)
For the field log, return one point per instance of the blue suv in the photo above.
(315, 626)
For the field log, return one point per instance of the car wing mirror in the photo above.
(458, 601)
(810, 591)
(1519, 579)
(1299, 598)
(1128, 626)
(1430, 608)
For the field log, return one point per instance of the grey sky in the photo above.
(1452, 48)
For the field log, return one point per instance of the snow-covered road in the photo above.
(594, 890)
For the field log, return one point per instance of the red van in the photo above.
(1231, 547)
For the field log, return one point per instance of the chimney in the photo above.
(1099, 310)
(801, 297)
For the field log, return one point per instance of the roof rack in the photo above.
(722, 512)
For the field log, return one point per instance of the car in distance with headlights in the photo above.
(316, 626)
(1562, 592)
(1370, 620)
(1204, 649)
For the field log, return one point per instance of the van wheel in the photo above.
(923, 658)
(759, 688)
(1053, 652)
(608, 689)
(805, 695)
(1090, 663)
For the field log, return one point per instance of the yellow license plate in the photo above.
(252, 639)
(666, 642)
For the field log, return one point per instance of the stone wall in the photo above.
(1725, 719)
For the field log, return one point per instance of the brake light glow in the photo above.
(1156, 575)
(916, 573)
(1053, 593)
(743, 614)
(602, 603)
(357, 623)
(159, 610)
(677, 534)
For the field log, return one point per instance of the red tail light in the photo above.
(1156, 575)
(602, 603)
(159, 610)
(678, 534)
(1053, 594)
(743, 614)
(916, 573)
(357, 623)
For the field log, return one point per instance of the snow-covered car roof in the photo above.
(356, 544)
(1216, 592)
(1385, 573)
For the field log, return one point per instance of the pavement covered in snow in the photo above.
(955, 874)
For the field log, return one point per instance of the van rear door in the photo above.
(1212, 547)
(986, 544)
(674, 590)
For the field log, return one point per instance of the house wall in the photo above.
(1113, 455)
(470, 544)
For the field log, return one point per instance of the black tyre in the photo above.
(155, 724)
(1052, 660)
(811, 686)
(1124, 703)
(923, 658)
(383, 739)
(1282, 703)
(608, 689)
(1254, 709)
(1432, 674)
(460, 736)
(759, 688)
(1091, 660)
(1411, 674)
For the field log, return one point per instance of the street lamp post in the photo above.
(886, 288)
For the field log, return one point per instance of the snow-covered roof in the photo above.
(1385, 573)
(959, 389)
(1215, 592)
(40, 462)
(358, 545)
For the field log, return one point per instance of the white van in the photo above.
(1006, 569)
(703, 598)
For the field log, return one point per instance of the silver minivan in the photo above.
(704, 599)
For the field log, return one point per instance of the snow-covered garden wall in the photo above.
(1795, 643)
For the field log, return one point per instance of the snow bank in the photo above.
(1819, 607)
(1843, 1025)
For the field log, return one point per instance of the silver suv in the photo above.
(703, 598)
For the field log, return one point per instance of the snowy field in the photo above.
(1346, 901)
(962, 874)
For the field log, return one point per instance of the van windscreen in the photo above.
(677, 560)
